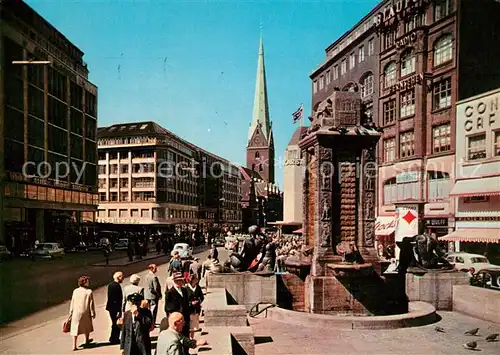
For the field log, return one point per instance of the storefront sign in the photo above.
(121, 221)
(379, 226)
(398, 10)
(296, 162)
(478, 219)
(482, 114)
(407, 40)
(437, 222)
(406, 177)
(409, 83)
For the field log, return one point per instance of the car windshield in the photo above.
(45, 246)
(180, 246)
(479, 260)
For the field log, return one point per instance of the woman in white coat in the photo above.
(82, 311)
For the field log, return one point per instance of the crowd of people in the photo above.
(133, 309)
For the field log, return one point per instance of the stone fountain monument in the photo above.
(339, 191)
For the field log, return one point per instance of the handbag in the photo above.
(66, 328)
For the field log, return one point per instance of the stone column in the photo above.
(323, 209)
(368, 198)
(347, 198)
(305, 193)
(2, 171)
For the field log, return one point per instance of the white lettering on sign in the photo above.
(399, 9)
(409, 83)
(405, 41)
(379, 226)
(409, 176)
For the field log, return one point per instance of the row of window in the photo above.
(42, 193)
(441, 142)
(477, 147)
(438, 189)
(441, 99)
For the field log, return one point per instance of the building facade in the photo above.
(477, 175)
(262, 201)
(48, 127)
(150, 177)
(293, 174)
(425, 56)
(426, 66)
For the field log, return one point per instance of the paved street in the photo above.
(41, 333)
(273, 337)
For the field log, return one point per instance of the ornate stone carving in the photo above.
(325, 154)
(325, 211)
(326, 172)
(326, 234)
(369, 233)
(369, 205)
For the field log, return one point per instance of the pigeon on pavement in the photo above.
(492, 337)
(470, 345)
(439, 330)
(472, 331)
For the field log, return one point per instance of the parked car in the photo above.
(4, 253)
(219, 241)
(466, 261)
(77, 248)
(487, 278)
(48, 250)
(122, 244)
(104, 243)
(185, 251)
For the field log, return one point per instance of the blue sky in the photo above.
(204, 93)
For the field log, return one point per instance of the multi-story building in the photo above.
(48, 126)
(351, 64)
(477, 176)
(150, 177)
(426, 55)
(432, 53)
(293, 174)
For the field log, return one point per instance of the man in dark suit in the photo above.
(114, 306)
(177, 300)
(137, 324)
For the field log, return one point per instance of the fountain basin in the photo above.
(350, 270)
(420, 313)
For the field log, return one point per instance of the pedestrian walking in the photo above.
(174, 264)
(186, 264)
(114, 306)
(130, 250)
(177, 300)
(152, 291)
(137, 323)
(195, 294)
(130, 289)
(82, 311)
(195, 267)
(207, 265)
(172, 342)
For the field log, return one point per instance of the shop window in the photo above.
(438, 185)
(390, 192)
(476, 147)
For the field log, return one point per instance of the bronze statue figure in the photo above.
(251, 247)
(420, 253)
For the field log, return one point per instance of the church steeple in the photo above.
(260, 147)
(260, 115)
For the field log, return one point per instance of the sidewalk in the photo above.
(44, 329)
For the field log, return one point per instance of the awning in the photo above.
(473, 235)
(477, 187)
(385, 225)
(298, 231)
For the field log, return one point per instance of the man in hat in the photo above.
(177, 300)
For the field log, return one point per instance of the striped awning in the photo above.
(487, 186)
(473, 235)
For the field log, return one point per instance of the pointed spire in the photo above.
(260, 105)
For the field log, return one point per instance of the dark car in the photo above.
(487, 278)
(219, 241)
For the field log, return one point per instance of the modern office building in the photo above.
(425, 56)
(150, 177)
(48, 126)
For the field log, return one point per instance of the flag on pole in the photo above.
(297, 115)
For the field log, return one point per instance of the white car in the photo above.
(466, 261)
(185, 251)
(48, 250)
(122, 244)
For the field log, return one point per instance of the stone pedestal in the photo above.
(435, 287)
